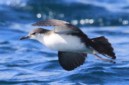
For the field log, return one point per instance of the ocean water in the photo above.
(29, 62)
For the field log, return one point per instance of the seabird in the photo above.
(72, 44)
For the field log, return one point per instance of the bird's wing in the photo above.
(70, 61)
(50, 22)
(60, 26)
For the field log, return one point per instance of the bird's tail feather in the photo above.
(103, 46)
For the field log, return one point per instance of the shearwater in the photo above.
(71, 43)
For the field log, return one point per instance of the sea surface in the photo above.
(29, 62)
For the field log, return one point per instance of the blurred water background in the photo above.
(30, 63)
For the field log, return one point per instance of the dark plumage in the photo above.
(39, 30)
(102, 45)
(71, 60)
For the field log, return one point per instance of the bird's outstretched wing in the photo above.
(60, 26)
(50, 22)
(70, 61)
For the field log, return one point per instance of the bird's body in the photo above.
(70, 42)
(63, 42)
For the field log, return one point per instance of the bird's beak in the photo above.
(24, 37)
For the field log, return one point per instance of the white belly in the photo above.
(62, 42)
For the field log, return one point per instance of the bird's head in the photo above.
(36, 34)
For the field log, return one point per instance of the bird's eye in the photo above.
(34, 33)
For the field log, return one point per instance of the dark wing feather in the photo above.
(70, 61)
(60, 26)
(102, 45)
(51, 22)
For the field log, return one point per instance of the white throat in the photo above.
(39, 37)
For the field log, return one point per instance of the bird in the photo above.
(72, 43)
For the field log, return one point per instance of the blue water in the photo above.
(30, 63)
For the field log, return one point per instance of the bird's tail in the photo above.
(103, 46)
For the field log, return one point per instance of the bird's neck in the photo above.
(40, 37)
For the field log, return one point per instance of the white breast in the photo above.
(62, 42)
